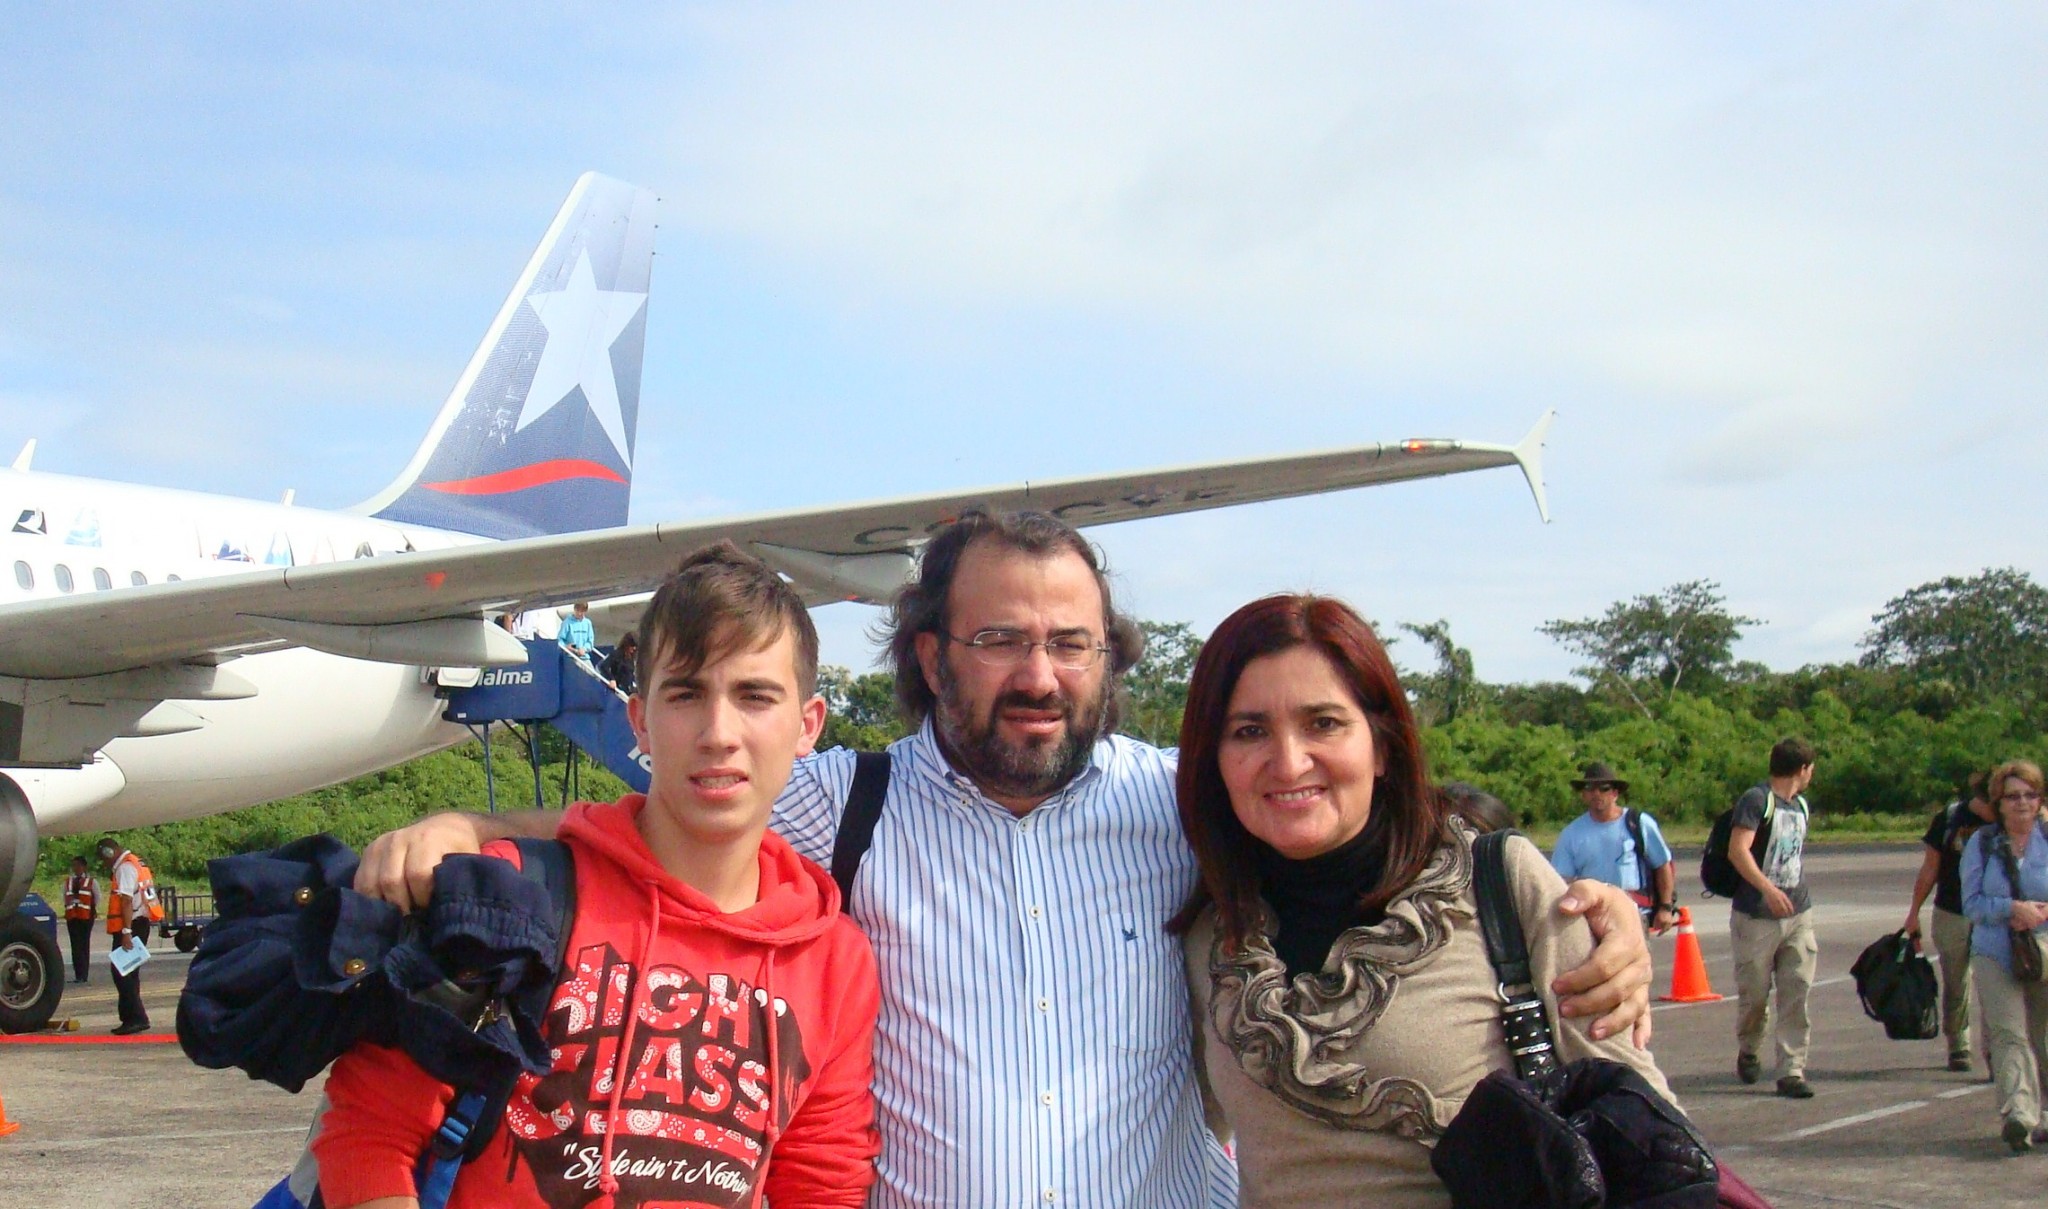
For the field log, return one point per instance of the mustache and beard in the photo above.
(1034, 768)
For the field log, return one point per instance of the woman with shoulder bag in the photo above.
(2005, 894)
(1345, 1002)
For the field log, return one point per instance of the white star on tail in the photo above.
(582, 322)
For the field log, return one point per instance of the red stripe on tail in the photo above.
(537, 475)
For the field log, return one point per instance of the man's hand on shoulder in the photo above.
(1614, 984)
(398, 866)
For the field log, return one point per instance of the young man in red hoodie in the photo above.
(713, 1025)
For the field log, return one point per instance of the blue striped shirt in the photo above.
(1033, 1046)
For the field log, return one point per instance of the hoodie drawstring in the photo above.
(774, 1132)
(608, 1183)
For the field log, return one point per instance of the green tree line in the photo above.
(1953, 677)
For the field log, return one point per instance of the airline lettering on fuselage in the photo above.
(502, 676)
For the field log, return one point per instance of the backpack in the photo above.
(262, 995)
(1898, 988)
(1717, 873)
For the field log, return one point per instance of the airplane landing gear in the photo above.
(31, 970)
(31, 975)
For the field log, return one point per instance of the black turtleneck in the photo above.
(1316, 899)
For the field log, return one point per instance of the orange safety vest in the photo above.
(145, 889)
(81, 896)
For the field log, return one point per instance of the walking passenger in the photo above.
(2005, 892)
(577, 635)
(1620, 845)
(1771, 921)
(1941, 871)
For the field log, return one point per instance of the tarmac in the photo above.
(136, 1126)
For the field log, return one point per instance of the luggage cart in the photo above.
(187, 914)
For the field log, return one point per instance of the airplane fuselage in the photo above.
(316, 719)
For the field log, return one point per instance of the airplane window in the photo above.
(63, 578)
(24, 575)
(138, 579)
(101, 580)
(172, 578)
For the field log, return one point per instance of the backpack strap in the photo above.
(1633, 820)
(857, 824)
(1523, 1019)
(434, 1179)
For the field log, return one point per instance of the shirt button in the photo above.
(1051, 1196)
(1045, 1098)
(1036, 911)
(1045, 1005)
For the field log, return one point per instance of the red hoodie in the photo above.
(724, 1101)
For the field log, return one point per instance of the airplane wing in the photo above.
(170, 641)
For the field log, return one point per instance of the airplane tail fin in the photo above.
(537, 436)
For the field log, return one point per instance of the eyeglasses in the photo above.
(1008, 648)
(2026, 798)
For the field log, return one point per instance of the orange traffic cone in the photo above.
(6, 1126)
(1689, 969)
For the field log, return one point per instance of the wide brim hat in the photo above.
(1598, 773)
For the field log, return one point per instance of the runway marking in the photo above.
(83, 1143)
(1875, 1114)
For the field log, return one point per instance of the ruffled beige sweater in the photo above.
(1335, 1086)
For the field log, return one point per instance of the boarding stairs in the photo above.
(552, 688)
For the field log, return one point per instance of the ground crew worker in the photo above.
(81, 907)
(131, 904)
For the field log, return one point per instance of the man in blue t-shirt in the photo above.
(1620, 846)
(577, 635)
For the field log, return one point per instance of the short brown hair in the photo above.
(1789, 755)
(720, 600)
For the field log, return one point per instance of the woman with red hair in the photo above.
(1345, 1003)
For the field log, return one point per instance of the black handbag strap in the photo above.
(1997, 843)
(857, 824)
(1523, 1018)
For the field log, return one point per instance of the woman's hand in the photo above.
(1614, 984)
(2027, 916)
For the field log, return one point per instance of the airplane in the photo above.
(167, 654)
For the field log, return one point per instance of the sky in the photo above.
(1779, 269)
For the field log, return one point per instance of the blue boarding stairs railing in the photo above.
(552, 688)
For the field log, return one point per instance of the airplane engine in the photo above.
(17, 844)
(31, 969)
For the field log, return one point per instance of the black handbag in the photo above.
(1897, 988)
(2027, 962)
(1582, 1135)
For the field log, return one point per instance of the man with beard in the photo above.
(1033, 1043)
